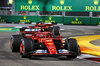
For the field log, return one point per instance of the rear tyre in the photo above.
(50, 29)
(73, 47)
(25, 47)
(23, 28)
(15, 43)
(56, 30)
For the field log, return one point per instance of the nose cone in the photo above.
(51, 47)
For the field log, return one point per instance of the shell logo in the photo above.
(62, 2)
(30, 1)
(96, 2)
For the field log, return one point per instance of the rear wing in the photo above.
(32, 30)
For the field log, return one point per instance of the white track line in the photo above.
(83, 56)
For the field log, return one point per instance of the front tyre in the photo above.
(15, 42)
(73, 47)
(25, 47)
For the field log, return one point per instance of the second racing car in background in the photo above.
(41, 27)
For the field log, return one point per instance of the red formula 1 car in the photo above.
(45, 44)
(41, 27)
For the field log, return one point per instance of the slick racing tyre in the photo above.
(25, 47)
(50, 29)
(56, 30)
(15, 43)
(73, 47)
(23, 28)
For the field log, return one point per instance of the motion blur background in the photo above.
(6, 8)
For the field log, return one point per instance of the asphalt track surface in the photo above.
(7, 58)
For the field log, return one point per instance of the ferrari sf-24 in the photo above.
(44, 44)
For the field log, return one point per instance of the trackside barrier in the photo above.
(95, 21)
(77, 20)
(17, 19)
(54, 19)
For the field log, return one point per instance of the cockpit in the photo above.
(43, 35)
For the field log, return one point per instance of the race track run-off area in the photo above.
(90, 52)
(8, 29)
(86, 46)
